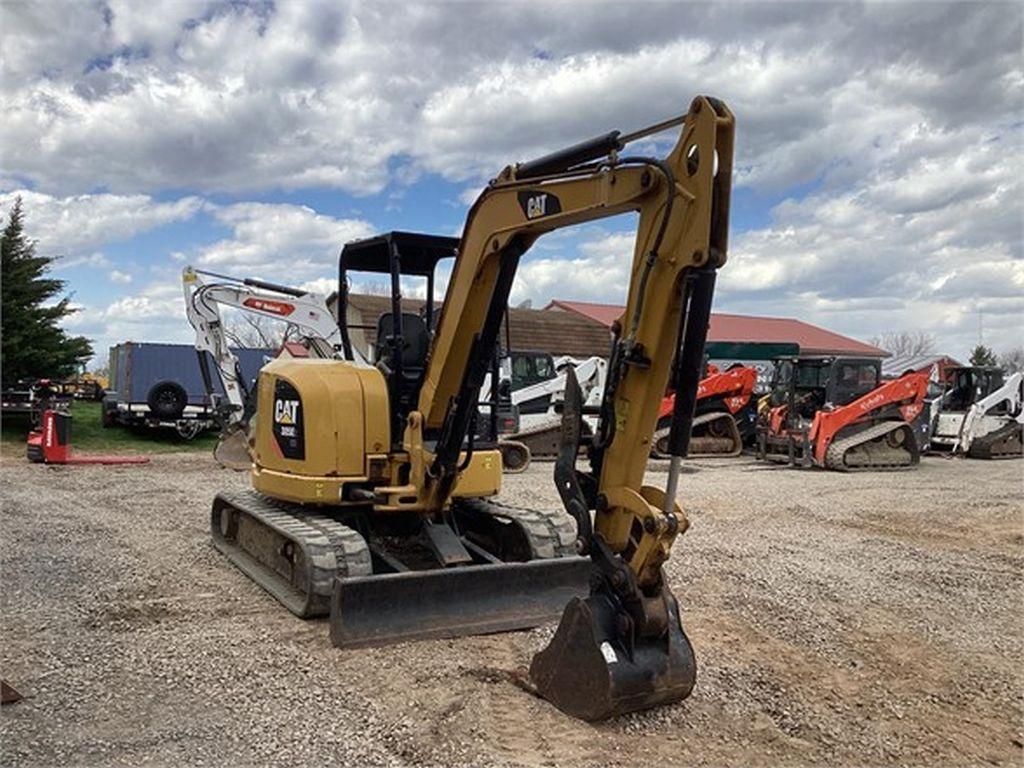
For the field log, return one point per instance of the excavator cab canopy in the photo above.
(402, 338)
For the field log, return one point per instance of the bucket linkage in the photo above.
(621, 649)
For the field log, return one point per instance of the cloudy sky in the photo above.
(879, 146)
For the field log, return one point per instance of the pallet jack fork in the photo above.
(51, 444)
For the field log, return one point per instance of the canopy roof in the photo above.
(418, 253)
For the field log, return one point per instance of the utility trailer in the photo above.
(161, 385)
(31, 397)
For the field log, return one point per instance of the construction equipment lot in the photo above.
(869, 618)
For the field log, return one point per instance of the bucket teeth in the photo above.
(589, 671)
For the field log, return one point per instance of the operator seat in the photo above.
(415, 347)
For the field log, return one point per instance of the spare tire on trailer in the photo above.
(167, 400)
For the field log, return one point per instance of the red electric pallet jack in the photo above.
(51, 444)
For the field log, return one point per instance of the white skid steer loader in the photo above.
(982, 415)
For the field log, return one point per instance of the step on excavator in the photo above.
(982, 414)
(372, 497)
(836, 413)
(725, 415)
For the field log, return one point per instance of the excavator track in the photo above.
(866, 452)
(524, 570)
(1004, 443)
(292, 554)
(705, 445)
(550, 532)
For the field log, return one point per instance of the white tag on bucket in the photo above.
(608, 652)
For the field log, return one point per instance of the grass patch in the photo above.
(89, 435)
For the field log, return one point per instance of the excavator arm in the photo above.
(306, 312)
(623, 647)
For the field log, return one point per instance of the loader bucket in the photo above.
(232, 450)
(451, 602)
(587, 670)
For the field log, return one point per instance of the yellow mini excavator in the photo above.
(373, 481)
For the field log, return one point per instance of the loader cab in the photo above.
(527, 368)
(811, 384)
(969, 384)
(401, 336)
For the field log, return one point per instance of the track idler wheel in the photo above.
(597, 667)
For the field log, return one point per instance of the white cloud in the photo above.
(96, 260)
(122, 278)
(325, 286)
(255, 97)
(897, 135)
(280, 242)
(599, 273)
(78, 223)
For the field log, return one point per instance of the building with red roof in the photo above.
(725, 327)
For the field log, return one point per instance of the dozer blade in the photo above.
(588, 672)
(452, 602)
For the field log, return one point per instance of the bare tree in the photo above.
(907, 343)
(373, 287)
(1012, 361)
(255, 331)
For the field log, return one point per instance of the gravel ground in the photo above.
(867, 619)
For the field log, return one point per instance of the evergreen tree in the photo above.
(983, 356)
(32, 343)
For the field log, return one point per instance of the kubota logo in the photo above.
(872, 401)
(281, 308)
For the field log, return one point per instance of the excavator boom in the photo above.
(623, 647)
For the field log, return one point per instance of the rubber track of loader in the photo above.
(835, 453)
(551, 533)
(735, 450)
(1003, 443)
(331, 548)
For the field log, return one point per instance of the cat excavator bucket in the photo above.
(590, 672)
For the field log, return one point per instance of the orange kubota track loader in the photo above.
(718, 427)
(834, 412)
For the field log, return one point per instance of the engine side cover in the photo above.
(317, 419)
